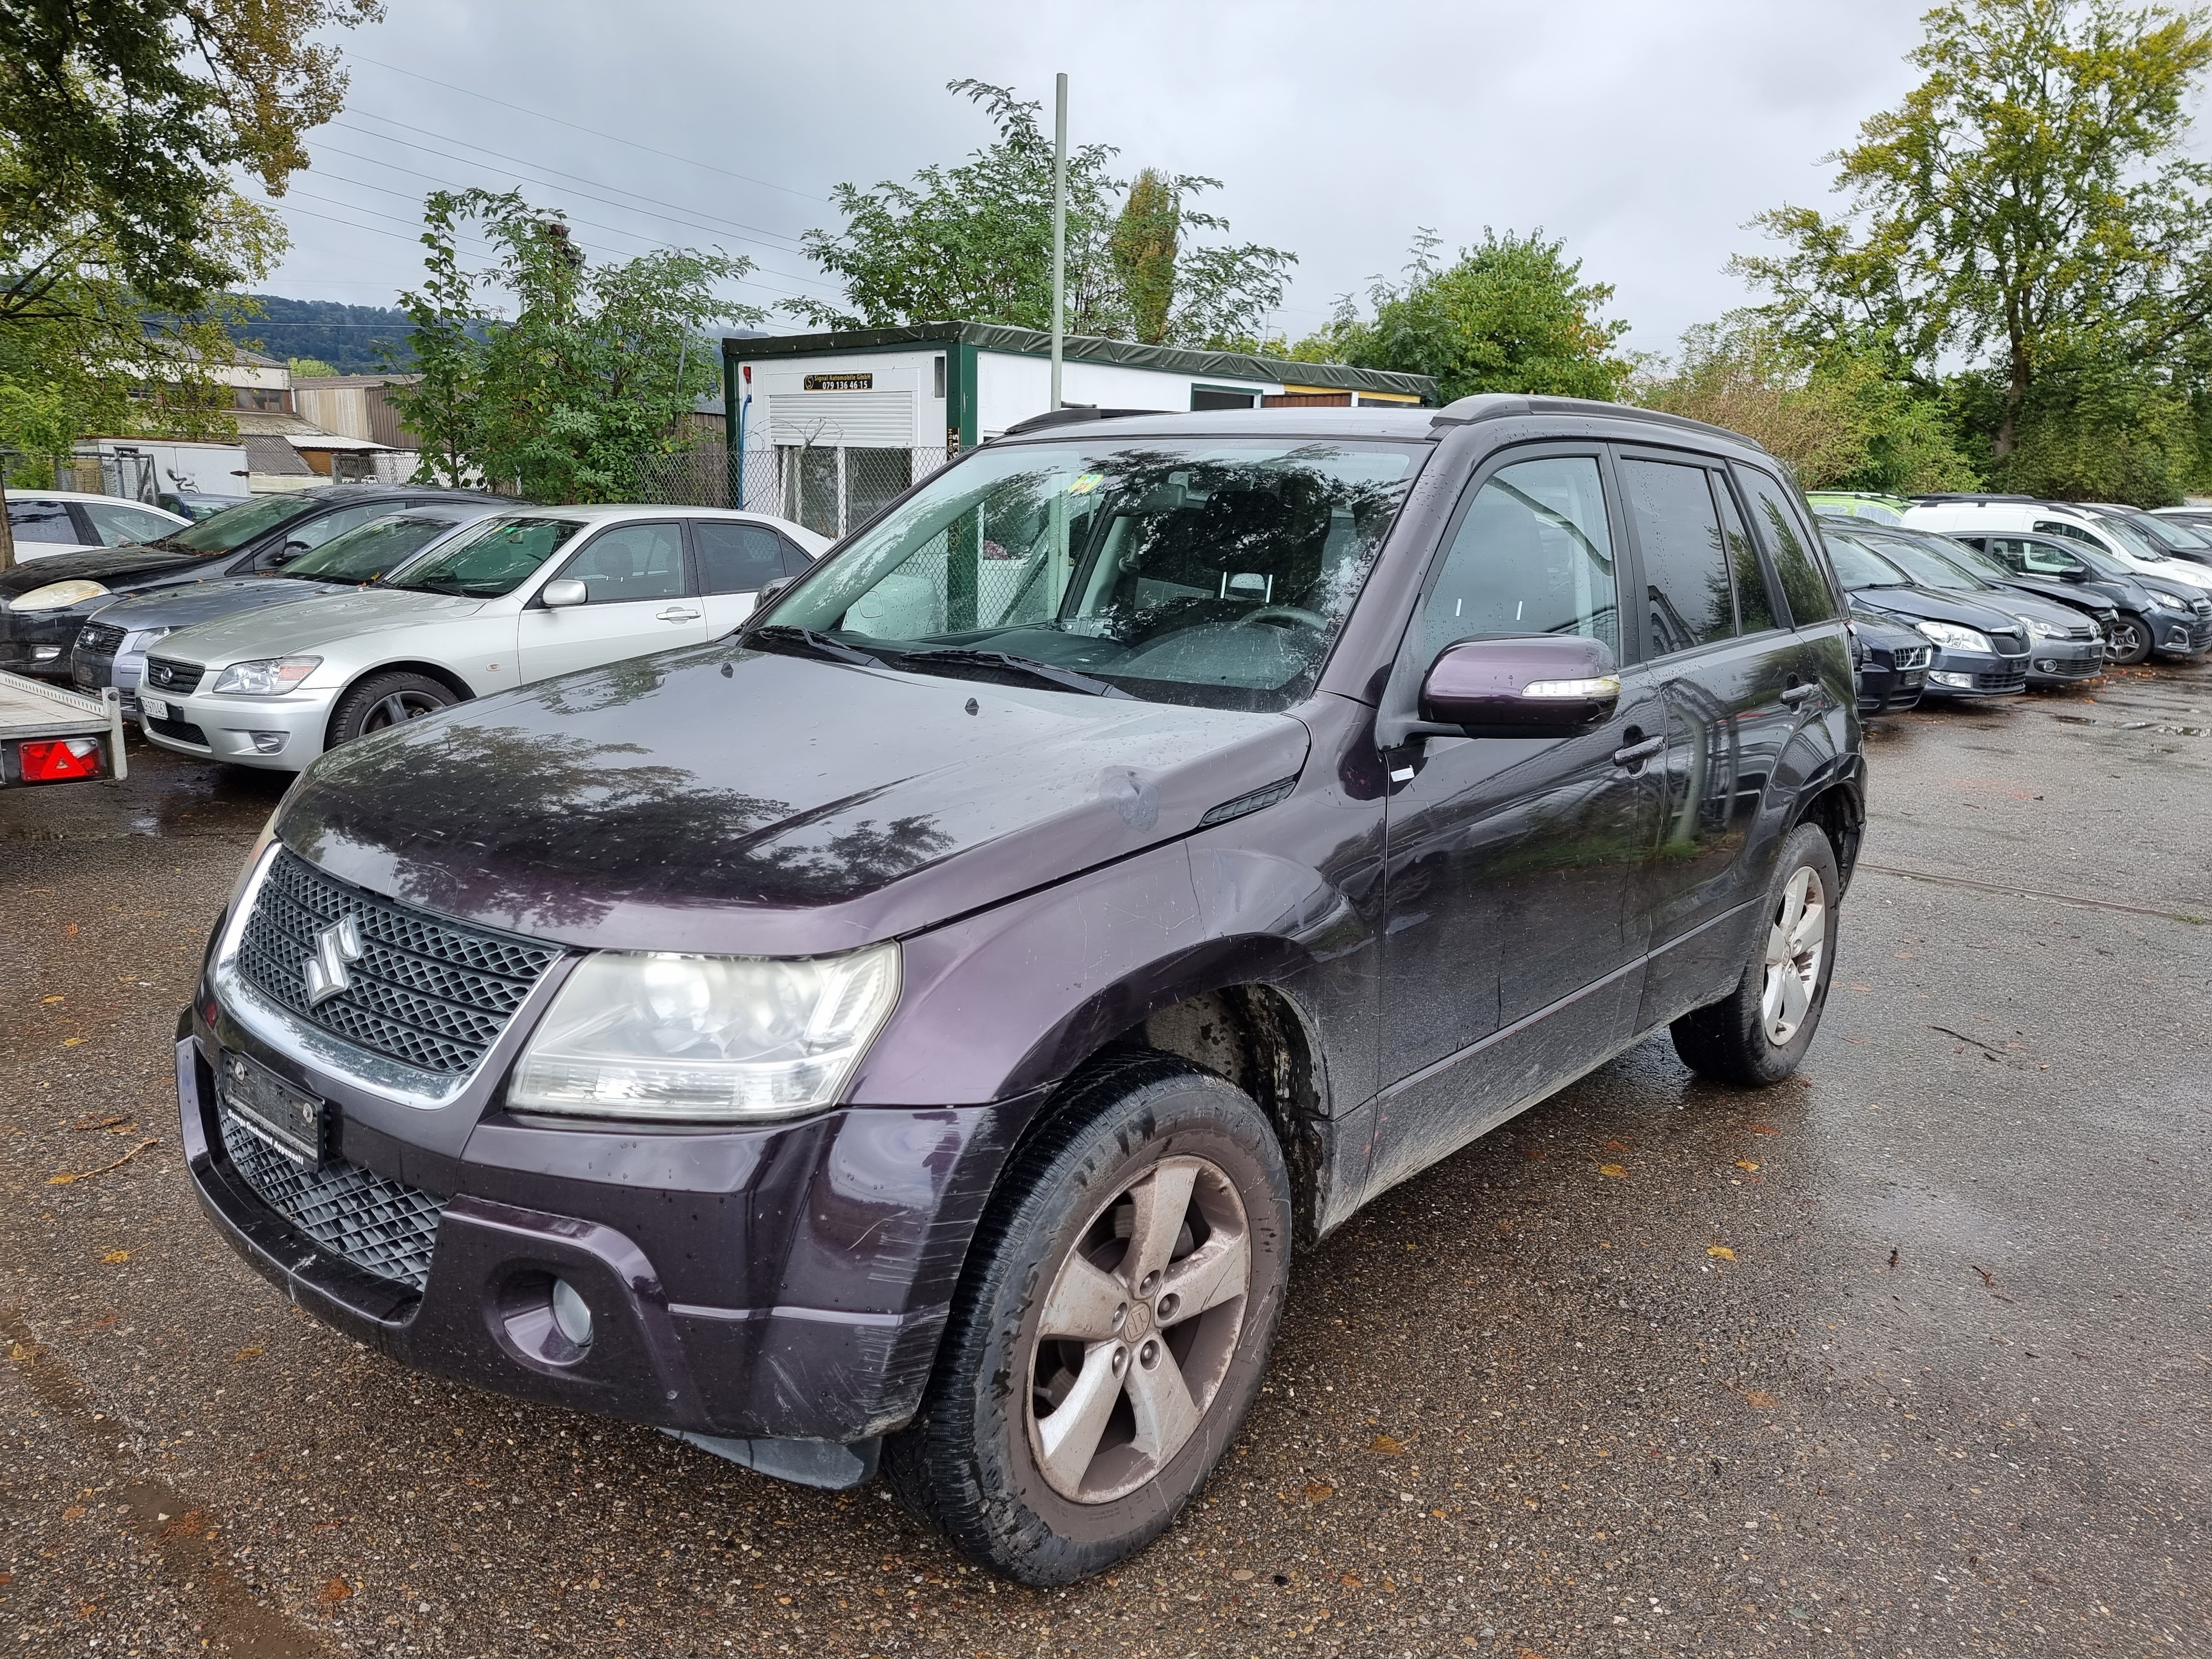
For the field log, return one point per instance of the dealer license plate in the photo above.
(287, 1118)
(155, 708)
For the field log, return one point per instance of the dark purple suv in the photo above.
(922, 1027)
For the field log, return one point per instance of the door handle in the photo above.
(1636, 753)
(677, 613)
(1794, 695)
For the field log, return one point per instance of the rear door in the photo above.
(639, 599)
(1731, 680)
(736, 560)
(1510, 948)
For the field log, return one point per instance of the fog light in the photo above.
(45, 653)
(1964, 682)
(571, 1314)
(268, 743)
(2048, 666)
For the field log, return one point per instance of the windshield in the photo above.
(1857, 567)
(2131, 540)
(1924, 565)
(365, 554)
(1207, 571)
(2166, 533)
(236, 525)
(494, 557)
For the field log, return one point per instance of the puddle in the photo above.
(2135, 726)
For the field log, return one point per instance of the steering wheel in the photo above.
(1278, 615)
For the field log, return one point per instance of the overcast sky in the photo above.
(1644, 135)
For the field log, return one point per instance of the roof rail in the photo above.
(1496, 405)
(1973, 498)
(1062, 416)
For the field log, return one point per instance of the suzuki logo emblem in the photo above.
(335, 946)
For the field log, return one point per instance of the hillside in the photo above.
(352, 339)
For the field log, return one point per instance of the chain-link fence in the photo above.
(828, 488)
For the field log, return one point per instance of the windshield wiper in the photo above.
(819, 645)
(963, 656)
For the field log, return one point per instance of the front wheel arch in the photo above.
(461, 688)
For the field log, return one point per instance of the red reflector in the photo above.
(52, 761)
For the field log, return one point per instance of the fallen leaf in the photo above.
(74, 1512)
(252, 1351)
(186, 1525)
(1745, 1163)
(1722, 1251)
(49, 1001)
(1386, 1445)
(1762, 1129)
(1531, 1154)
(1351, 1581)
(1614, 1170)
(86, 1609)
(1619, 1147)
(71, 1042)
(115, 1255)
(1317, 1491)
(69, 928)
(1242, 1575)
(1527, 1653)
(334, 1592)
(1761, 1398)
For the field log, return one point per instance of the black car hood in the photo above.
(728, 800)
(1932, 605)
(2073, 595)
(100, 564)
(1883, 633)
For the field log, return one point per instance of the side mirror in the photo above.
(769, 591)
(561, 594)
(288, 552)
(1544, 686)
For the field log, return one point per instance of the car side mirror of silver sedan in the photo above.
(558, 595)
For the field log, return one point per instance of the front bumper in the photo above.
(1885, 689)
(91, 671)
(281, 734)
(1955, 673)
(2175, 637)
(2064, 662)
(786, 1282)
(37, 643)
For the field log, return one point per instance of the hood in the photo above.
(1933, 604)
(1884, 632)
(2170, 588)
(186, 603)
(723, 799)
(337, 613)
(2075, 596)
(109, 565)
(2017, 602)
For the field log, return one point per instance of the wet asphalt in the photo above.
(1911, 1356)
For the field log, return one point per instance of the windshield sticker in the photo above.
(1086, 483)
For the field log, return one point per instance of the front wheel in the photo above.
(1111, 1327)
(383, 701)
(1758, 1033)
(2131, 640)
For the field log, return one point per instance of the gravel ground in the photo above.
(1908, 1357)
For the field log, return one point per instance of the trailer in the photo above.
(51, 735)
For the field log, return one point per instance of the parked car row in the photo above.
(2008, 592)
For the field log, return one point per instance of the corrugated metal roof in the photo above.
(1089, 348)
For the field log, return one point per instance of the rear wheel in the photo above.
(1758, 1034)
(1111, 1327)
(383, 701)
(2131, 640)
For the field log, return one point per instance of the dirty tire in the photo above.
(969, 1463)
(1730, 1040)
(2132, 638)
(383, 701)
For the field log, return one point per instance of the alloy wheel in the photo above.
(1795, 946)
(1137, 1333)
(398, 709)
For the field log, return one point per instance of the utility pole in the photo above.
(1059, 228)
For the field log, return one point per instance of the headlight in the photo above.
(267, 678)
(54, 595)
(2039, 630)
(1959, 639)
(705, 1039)
(2171, 602)
(139, 639)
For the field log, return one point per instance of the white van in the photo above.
(2017, 516)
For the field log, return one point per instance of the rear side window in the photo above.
(1755, 606)
(1685, 571)
(1533, 555)
(42, 521)
(739, 558)
(1789, 545)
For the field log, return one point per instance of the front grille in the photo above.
(181, 731)
(1912, 656)
(101, 638)
(2010, 645)
(381, 1225)
(165, 674)
(2004, 679)
(430, 993)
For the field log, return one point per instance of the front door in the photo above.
(1511, 951)
(638, 597)
(1735, 689)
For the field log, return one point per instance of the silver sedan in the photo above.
(522, 596)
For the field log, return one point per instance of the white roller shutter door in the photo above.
(846, 419)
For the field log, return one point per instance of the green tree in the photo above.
(2028, 206)
(597, 368)
(309, 368)
(1840, 421)
(1510, 314)
(973, 241)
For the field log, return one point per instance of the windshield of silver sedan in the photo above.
(496, 558)
(1213, 571)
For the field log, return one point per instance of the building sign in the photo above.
(840, 382)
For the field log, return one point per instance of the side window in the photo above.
(1686, 572)
(795, 561)
(1804, 588)
(2040, 557)
(1533, 555)
(42, 521)
(316, 532)
(630, 561)
(1755, 606)
(119, 526)
(736, 558)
